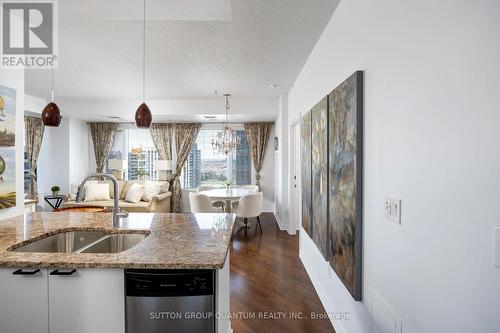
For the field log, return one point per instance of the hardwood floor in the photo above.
(268, 279)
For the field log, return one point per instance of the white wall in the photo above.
(53, 160)
(15, 79)
(80, 150)
(33, 104)
(64, 155)
(431, 138)
(281, 179)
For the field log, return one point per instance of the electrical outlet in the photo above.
(392, 210)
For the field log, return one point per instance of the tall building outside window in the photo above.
(137, 147)
(205, 167)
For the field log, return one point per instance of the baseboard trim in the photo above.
(337, 325)
(278, 221)
(291, 231)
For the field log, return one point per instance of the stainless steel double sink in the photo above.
(84, 242)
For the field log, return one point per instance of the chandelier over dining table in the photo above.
(226, 140)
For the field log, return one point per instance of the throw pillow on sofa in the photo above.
(126, 187)
(152, 189)
(135, 193)
(96, 192)
(111, 189)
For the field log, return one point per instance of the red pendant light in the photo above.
(143, 117)
(51, 115)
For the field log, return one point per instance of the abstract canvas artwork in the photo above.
(7, 147)
(332, 133)
(345, 112)
(305, 147)
(319, 145)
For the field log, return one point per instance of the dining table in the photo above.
(226, 195)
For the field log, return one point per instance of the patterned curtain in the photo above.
(162, 138)
(103, 136)
(185, 136)
(33, 136)
(258, 136)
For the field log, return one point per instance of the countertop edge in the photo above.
(18, 264)
(96, 265)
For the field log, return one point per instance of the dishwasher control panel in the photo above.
(169, 282)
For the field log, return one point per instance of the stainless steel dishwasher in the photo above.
(177, 301)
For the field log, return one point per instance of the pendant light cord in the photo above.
(52, 81)
(144, 52)
(227, 109)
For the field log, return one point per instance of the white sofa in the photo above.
(158, 204)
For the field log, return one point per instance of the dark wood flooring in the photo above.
(267, 277)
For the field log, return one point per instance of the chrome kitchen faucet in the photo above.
(117, 213)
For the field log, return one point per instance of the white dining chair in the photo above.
(249, 188)
(217, 204)
(250, 206)
(201, 203)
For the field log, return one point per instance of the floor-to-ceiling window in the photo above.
(205, 167)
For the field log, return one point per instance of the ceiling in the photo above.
(194, 47)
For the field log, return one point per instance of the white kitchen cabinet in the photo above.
(23, 300)
(87, 301)
(223, 300)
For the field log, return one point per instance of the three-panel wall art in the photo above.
(7, 147)
(332, 174)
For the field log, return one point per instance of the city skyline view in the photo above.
(203, 166)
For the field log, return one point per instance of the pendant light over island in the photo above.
(143, 117)
(51, 115)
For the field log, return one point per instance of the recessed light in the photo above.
(209, 117)
(114, 117)
(274, 85)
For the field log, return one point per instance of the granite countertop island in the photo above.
(175, 241)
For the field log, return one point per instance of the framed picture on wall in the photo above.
(319, 170)
(306, 179)
(345, 175)
(7, 147)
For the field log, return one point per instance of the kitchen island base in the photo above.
(89, 300)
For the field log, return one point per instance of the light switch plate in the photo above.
(392, 210)
(497, 246)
